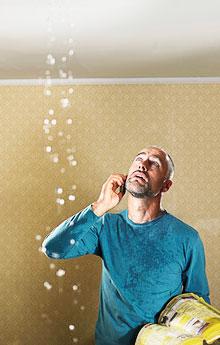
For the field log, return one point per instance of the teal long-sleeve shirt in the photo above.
(143, 266)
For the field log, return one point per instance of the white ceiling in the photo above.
(110, 39)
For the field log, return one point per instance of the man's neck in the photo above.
(144, 210)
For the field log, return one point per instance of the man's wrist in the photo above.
(97, 209)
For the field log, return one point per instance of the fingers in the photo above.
(118, 178)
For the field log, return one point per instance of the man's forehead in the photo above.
(153, 151)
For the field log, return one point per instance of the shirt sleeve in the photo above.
(194, 276)
(76, 236)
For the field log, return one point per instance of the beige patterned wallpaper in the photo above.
(96, 136)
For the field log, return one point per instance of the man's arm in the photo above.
(194, 276)
(79, 234)
(76, 236)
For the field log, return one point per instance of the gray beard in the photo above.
(147, 193)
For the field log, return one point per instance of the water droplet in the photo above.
(53, 122)
(75, 340)
(69, 121)
(47, 285)
(51, 112)
(38, 237)
(63, 59)
(73, 163)
(72, 197)
(71, 52)
(60, 134)
(46, 121)
(75, 287)
(62, 170)
(73, 186)
(62, 74)
(65, 102)
(71, 327)
(71, 90)
(72, 241)
(60, 201)
(50, 59)
(60, 272)
(47, 92)
(70, 157)
(55, 158)
(82, 307)
(52, 265)
(48, 148)
(59, 190)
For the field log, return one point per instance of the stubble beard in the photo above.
(142, 191)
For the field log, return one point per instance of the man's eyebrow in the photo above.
(141, 153)
(144, 153)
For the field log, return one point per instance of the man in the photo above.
(148, 255)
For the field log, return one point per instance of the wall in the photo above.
(110, 124)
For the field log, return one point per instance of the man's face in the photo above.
(153, 166)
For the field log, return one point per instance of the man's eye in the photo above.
(155, 163)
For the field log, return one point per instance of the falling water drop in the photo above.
(59, 190)
(60, 272)
(51, 112)
(48, 148)
(47, 285)
(71, 52)
(69, 121)
(65, 102)
(50, 59)
(47, 92)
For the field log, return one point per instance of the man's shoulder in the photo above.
(182, 226)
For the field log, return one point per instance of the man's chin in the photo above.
(139, 193)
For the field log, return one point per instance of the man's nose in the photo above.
(144, 165)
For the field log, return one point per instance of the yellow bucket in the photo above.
(191, 313)
(186, 320)
(154, 334)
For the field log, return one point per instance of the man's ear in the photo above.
(166, 185)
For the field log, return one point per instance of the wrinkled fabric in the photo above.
(143, 266)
